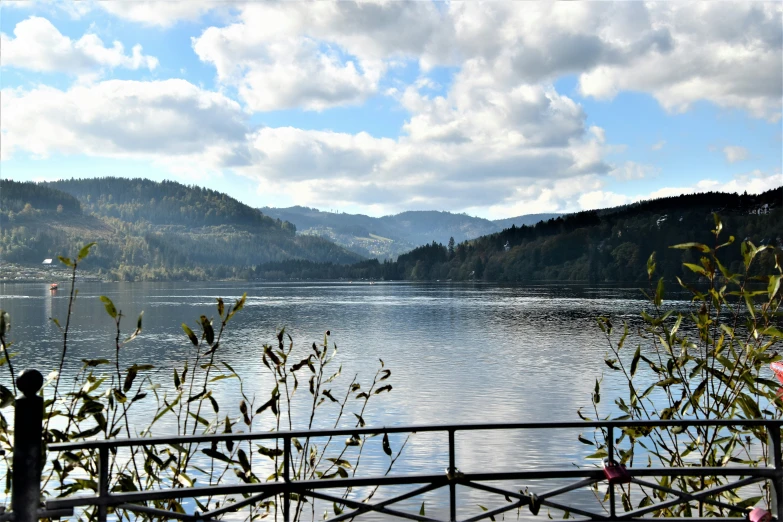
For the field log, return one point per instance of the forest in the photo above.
(168, 231)
(610, 245)
(147, 230)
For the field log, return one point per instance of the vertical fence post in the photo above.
(773, 430)
(452, 475)
(28, 447)
(610, 451)
(287, 478)
(103, 483)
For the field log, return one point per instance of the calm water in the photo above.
(458, 353)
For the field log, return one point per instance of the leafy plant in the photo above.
(104, 398)
(709, 362)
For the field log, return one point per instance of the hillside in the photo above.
(389, 236)
(148, 230)
(521, 221)
(609, 245)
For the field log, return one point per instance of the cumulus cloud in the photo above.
(630, 170)
(38, 45)
(678, 52)
(169, 121)
(471, 147)
(726, 53)
(163, 14)
(735, 153)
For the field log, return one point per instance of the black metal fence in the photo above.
(29, 454)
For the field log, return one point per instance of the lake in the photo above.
(458, 353)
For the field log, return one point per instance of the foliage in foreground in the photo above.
(104, 399)
(710, 362)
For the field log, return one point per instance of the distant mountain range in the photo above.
(389, 236)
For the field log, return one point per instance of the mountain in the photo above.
(389, 236)
(521, 221)
(608, 245)
(149, 230)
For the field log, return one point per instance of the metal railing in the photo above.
(28, 454)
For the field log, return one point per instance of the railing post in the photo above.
(777, 484)
(610, 451)
(287, 478)
(452, 485)
(28, 447)
(103, 482)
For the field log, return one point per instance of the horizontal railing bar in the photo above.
(308, 485)
(151, 441)
(263, 487)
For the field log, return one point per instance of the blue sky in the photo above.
(494, 109)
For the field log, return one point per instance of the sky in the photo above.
(494, 109)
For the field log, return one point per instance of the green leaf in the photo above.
(110, 309)
(696, 268)
(131, 375)
(774, 286)
(190, 334)
(651, 265)
(585, 441)
(421, 510)
(209, 333)
(216, 455)
(659, 293)
(66, 261)
(220, 306)
(718, 224)
(635, 361)
(5, 322)
(382, 389)
(697, 246)
(386, 447)
(94, 362)
(85, 251)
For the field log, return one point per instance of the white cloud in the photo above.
(659, 145)
(630, 170)
(726, 53)
(154, 13)
(38, 45)
(735, 153)
(171, 122)
(163, 14)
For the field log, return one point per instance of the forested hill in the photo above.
(525, 220)
(165, 203)
(149, 230)
(609, 245)
(389, 236)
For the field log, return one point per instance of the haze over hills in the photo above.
(149, 230)
(389, 236)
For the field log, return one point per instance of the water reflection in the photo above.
(458, 353)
